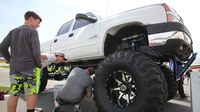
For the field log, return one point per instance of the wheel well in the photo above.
(126, 37)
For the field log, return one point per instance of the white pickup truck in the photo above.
(129, 51)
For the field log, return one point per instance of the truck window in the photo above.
(64, 28)
(80, 23)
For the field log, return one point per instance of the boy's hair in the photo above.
(29, 14)
(91, 70)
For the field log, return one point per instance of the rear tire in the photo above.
(129, 82)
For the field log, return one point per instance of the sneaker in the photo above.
(77, 108)
(39, 109)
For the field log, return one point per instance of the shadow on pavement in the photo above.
(45, 100)
(174, 107)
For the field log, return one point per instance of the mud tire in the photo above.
(129, 81)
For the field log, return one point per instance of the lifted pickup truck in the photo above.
(130, 52)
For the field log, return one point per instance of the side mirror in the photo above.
(86, 17)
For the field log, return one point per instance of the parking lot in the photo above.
(45, 99)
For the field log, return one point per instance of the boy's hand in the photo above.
(43, 57)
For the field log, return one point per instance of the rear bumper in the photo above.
(167, 27)
(177, 47)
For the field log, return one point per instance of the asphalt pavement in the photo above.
(45, 99)
(4, 80)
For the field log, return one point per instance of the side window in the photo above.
(65, 28)
(80, 23)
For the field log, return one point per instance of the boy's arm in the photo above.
(4, 46)
(35, 45)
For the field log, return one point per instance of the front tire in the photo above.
(129, 82)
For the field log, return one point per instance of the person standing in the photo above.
(181, 88)
(24, 58)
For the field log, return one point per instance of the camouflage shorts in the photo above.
(27, 82)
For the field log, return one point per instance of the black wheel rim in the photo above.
(121, 88)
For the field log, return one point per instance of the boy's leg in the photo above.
(15, 90)
(12, 103)
(31, 87)
(181, 89)
(31, 101)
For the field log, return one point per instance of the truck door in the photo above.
(85, 38)
(60, 42)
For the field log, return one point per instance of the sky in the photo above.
(54, 13)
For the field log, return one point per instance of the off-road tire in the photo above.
(43, 80)
(129, 82)
(172, 84)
